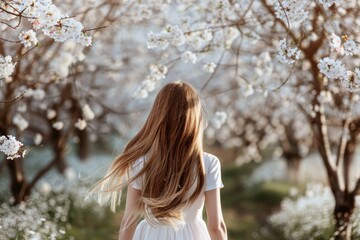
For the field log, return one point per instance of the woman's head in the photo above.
(175, 117)
(171, 141)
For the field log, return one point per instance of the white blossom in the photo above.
(88, 113)
(6, 66)
(157, 72)
(219, 119)
(332, 69)
(350, 48)
(28, 38)
(83, 39)
(189, 56)
(175, 35)
(170, 35)
(231, 34)
(352, 81)
(142, 12)
(199, 39)
(38, 94)
(50, 114)
(46, 16)
(292, 11)
(141, 93)
(37, 139)
(58, 125)
(61, 64)
(20, 122)
(80, 124)
(66, 29)
(329, 3)
(4, 16)
(249, 90)
(287, 54)
(209, 67)
(10, 146)
(335, 42)
(157, 41)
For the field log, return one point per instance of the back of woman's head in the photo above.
(171, 144)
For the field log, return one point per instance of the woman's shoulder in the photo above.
(210, 159)
(139, 163)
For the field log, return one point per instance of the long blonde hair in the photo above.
(171, 140)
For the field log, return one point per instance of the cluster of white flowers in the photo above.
(37, 94)
(329, 3)
(20, 122)
(287, 54)
(38, 139)
(6, 66)
(219, 119)
(292, 11)
(80, 124)
(58, 125)
(50, 114)
(309, 216)
(209, 67)
(43, 216)
(6, 15)
(189, 56)
(157, 72)
(60, 65)
(335, 42)
(348, 48)
(142, 12)
(170, 35)
(10, 146)
(231, 34)
(199, 39)
(28, 38)
(352, 81)
(45, 16)
(88, 112)
(332, 69)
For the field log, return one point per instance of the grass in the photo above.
(246, 208)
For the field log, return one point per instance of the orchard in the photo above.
(279, 79)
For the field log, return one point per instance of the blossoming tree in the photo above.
(54, 88)
(305, 52)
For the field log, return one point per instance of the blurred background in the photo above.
(279, 85)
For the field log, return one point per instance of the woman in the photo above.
(168, 175)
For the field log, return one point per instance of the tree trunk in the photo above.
(19, 187)
(293, 165)
(342, 213)
(83, 145)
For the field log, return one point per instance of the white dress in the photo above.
(194, 227)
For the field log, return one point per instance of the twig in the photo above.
(357, 188)
(10, 41)
(287, 20)
(286, 80)
(2, 165)
(25, 53)
(94, 29)
(41, 173)
(13, 100)
(213, 74)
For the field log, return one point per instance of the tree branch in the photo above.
(2, 165)
(213, 74)
(42, 172)
(356, 190)
(342, 145)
